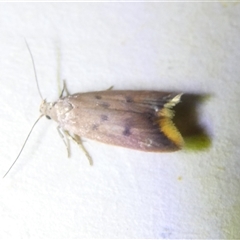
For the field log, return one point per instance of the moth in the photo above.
(140, 120)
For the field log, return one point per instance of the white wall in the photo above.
(186, 47)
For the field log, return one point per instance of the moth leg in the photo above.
(78, 140)
(64, 89)
(109, 89)
(65, 140)
(64, 86)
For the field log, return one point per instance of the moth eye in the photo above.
(48, 117)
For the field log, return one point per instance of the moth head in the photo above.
(46, 109)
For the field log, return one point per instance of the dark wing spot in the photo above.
(129, 99)
(127, 131)
(104, 104)
(98, 97)
(104, 117)
(95, 127)
(148, 115)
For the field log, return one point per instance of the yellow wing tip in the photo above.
(171, 132)
(166, 124)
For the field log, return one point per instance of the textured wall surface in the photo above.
(187, 47)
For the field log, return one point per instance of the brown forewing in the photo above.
(124, 118)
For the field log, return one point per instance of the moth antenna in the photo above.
(23, 145)
(34, 68)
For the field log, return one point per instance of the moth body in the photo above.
(140, 120)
